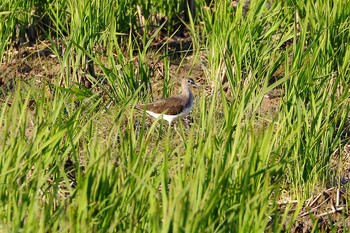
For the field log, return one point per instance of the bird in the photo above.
(173, 107)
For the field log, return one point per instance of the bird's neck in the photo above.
(187, 94)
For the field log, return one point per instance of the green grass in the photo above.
(227, 172)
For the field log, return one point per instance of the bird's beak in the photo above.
(197, 86)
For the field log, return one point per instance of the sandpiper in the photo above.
(173, 107)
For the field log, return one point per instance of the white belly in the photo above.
(171, 118)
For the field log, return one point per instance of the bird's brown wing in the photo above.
(170, 106)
